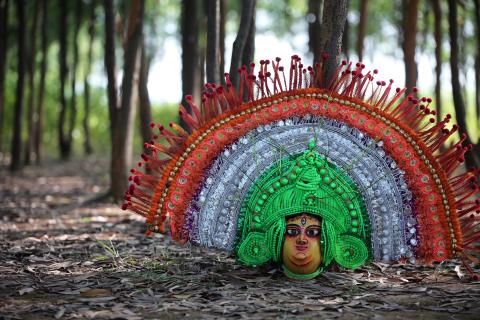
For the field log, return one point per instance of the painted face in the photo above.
(301, 248)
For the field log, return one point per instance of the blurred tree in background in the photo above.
(73, 73)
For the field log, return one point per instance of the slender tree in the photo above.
(249, 49)
(314, 19)
(64, 139)
(73, 75)
(333, 22)
(41, 88)
(437, 32)
(190, 52)
(31, 84)
(458, 103)
(110, 64)
(17, 124)
(122, 115)
(409, 28)
(145, 106)
(223, 12)
(362, 27)
(477, 58)
(246, 19)
(213, 41)
(346, 37)
(87, 144)
(3, 61)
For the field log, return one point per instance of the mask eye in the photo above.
(312, 232)
(293, 232)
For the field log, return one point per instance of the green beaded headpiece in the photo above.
(303, 183)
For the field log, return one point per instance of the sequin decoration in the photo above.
(387, 198)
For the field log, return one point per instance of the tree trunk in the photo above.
(17, 124)
(477, 58)
(314, 19)
(362, 27)
(145, 107)
(3, 61)
(110, 64)
(410, 16)
(41, 90)
(221, 68)
(470, 159)
(73, 74)
(31, 83)
(87, 144)
(346, 38)
(190, 53)
(249, 51)
(123, 130)
(63, 140)
(333, 22)
(213, 41)
(437, 31)
(248, 13)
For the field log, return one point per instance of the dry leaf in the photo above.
(95, 293)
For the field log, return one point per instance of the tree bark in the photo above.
(249, 51)
(248, 54)
(123, 117)
(213, 41)
(110, 63)
(3, 61)
(315, 27)
(190, 53)
(87, 144)
(31, 83)
(470, 159)
(64, 143)
(437, 31)
(145, 106)
(410, 16)
(73, 75)
(247, 16)
(17, 124)
(346, 38)
(221, 68)
(362, 27)
(41, 89)
(333, 22)
(477, 58)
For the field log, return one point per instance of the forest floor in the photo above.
(64, 257)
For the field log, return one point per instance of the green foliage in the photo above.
(282, 16)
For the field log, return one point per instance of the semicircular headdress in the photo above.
(372, 163)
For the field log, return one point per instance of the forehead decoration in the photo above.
(368, 160)
(304, 220)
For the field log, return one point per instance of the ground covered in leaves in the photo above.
(65, 257)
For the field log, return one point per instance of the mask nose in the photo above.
(302, 239)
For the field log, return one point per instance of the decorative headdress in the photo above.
(367, 160)
(304, 183)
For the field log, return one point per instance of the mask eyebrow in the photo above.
(293, 225)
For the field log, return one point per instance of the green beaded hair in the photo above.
(303, 183)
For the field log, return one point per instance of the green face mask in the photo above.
(303, 184)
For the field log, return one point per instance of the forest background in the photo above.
(78, 77)
(80, 83)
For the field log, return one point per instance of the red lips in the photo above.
(301, 247)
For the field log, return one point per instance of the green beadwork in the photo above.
(303, 183)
